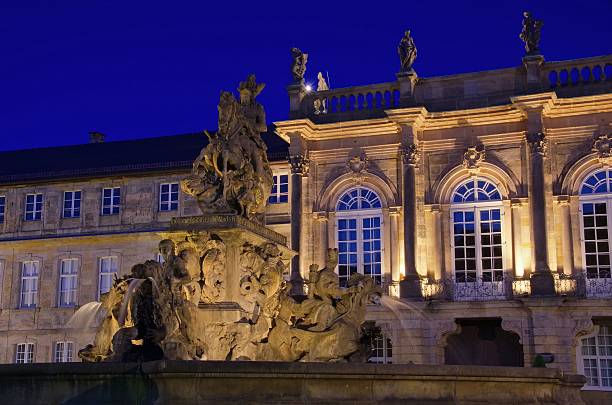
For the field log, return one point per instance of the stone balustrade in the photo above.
(571, 78)
(577, 72)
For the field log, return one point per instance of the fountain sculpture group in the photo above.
(221, 292)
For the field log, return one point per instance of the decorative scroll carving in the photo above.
(298, 67)
(473, 156)
(513, 325)
(538, 143)
(530, 33)
(232, 173)
(299, 164)
(602, 145)
(583, 326)
(358, 163)
(410, 154)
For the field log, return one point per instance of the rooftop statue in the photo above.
(232, 173)
(321, 83)
(298, 67)
(530, 34)
(407, 52)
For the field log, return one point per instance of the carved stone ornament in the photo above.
(530, 33)
(473, 157)
(603, 146)
(410, 154)
(298, 66)
(299, 164)
(407, 52)
(537, 143)
(357, 164)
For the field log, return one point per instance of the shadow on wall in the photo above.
(135, 388)
(483, 342)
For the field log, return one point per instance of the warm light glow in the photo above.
(308, 88)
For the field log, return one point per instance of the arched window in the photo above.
(476, 215)
(359, 224)
(595, 200)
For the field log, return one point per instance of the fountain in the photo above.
(216, 324)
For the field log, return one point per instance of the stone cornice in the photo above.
(473, 117)
(540, 101)
(343, 129)
(565, 107)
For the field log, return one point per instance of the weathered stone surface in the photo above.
(168, 382)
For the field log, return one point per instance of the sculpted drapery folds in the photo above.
(298, 66)
(530, 34)
(407, 52)
(232, 173)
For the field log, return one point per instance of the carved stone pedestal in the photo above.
(542, 284)
(410, 287)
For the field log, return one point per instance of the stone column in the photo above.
(394, 215)
(410, 286)
(566, 235)
(542, 282)
(322, 242)
(517, 240)
(437, 240)
(299, 168)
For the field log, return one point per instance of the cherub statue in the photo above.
(407, 52)
(530, 33)
(298, 67)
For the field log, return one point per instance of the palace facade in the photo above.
(481, 202)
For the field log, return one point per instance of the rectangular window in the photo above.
(107, 270)
(280, 189)
(111, 201)
(372, 248)
(33, 207)
(63, 352)
(72, 204)
(359, 247)
(24, 353)
(29, 284)
(596, 358)
(2, 208)
(347, 249)
(68, 282)
(596, 244)
(168, 196)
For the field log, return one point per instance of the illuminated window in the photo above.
(595, 209)
(63, 352)
(29, 284)
(68, 282)
(107, 270)
(24, 353)
(476, 215)
(359, 227)
(111, 200)
(2, 208)
(72, 204)
(168, 196)
(595, 358)
(280, 189)
(380, 348)
(33, 207)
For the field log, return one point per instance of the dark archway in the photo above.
(483, 342)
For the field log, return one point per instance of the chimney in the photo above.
(96, 137)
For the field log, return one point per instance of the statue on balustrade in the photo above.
(530, 34)
(232, 174)
(298, 66)
(407, 52)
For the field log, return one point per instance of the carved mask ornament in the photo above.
(603, 146)
(473, 157)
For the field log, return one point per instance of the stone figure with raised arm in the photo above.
(407, 52)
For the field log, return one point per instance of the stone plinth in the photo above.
(193, 382)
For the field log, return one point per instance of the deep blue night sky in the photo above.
(134, 69)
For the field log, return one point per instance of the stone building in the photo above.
(479, 201)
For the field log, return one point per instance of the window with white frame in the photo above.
(476, 216)
(72, 204)
(68, 282)
(595, 358)
(280, 189)
(107, 270)
(63, 352)
(111, 200)
(24, 353)
(168, 196)
(359, 234)
(33, 207)
(595, 209)
(29, 284)
(381, 350)
(2, 208)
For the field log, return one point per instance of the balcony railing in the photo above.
(578, 72)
